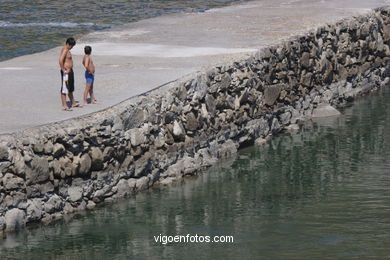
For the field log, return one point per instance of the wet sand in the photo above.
(138, 57)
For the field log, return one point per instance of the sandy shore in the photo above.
(135, 58)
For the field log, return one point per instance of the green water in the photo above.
(31, 26)
(320, 193)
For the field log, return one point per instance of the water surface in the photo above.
(36, 25)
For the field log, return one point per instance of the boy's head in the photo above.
(70, 42)
(87, 50)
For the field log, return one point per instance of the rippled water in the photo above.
(29, 26)
(320, 193)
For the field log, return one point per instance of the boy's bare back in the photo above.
(88, 64)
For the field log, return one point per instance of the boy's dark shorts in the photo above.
(69, 84)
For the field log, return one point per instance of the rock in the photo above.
(127, 161)
(15, 199)
(260, 141)
(386, 32)
(54, 204)
(326, 68)
(123, 188)
(56, 167)
(108, 153)
(4, 154)
(271, 94)
(78, 139)
(305, 60)
(85, 164)
(178, 131)
(285, 118)
(306, 79)
(159, 141)
(136, 136)
(167, 181)
(39, 171)
(275, 125)
(38, 147)
(325, 110)
(38, 190)
(91, 205)
(142, 183)
(292, 127)
(34, 210)
(96, 159)
(181, 92)
(75, 193)
(211, 104)
(168, 117)
(58, 150)
(19, 165)
(200, 87)
(15, 219)
(191, 122)
(2, 224)
(4, 166)
(12, 182)
(227, 149)
(259, 127)
(118, 124)
(142, 166)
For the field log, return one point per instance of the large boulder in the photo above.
(325, 110)
(34, 210)
(15, 219)
(39, 170)
(96, 159)
(3, 153)
(85, 164)
(271, 94)
(178, 131)
(12, 182)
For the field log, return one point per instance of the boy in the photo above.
(89, 75)
(67, 76)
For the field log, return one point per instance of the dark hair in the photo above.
(71, 41)
(87, 50)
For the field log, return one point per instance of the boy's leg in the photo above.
(72, 101)
(86, 91)
(71, 89)
(63, 101)
(93, 100)
(64, 91)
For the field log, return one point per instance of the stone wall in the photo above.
(179, 129)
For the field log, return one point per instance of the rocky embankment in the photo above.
(177, 130)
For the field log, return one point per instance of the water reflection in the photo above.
(321, 192)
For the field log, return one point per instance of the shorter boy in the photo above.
(89, 75)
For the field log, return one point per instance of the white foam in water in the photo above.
(120, 34)
(154, 50)
(15, 68)
(64, 24)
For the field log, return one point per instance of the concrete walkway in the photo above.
(138, 57)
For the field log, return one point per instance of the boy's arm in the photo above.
(62, 60)
(86, 63)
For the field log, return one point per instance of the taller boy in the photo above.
(67, 76)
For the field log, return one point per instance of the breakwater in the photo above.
(185, 126)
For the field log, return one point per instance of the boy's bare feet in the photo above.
(67, 109)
